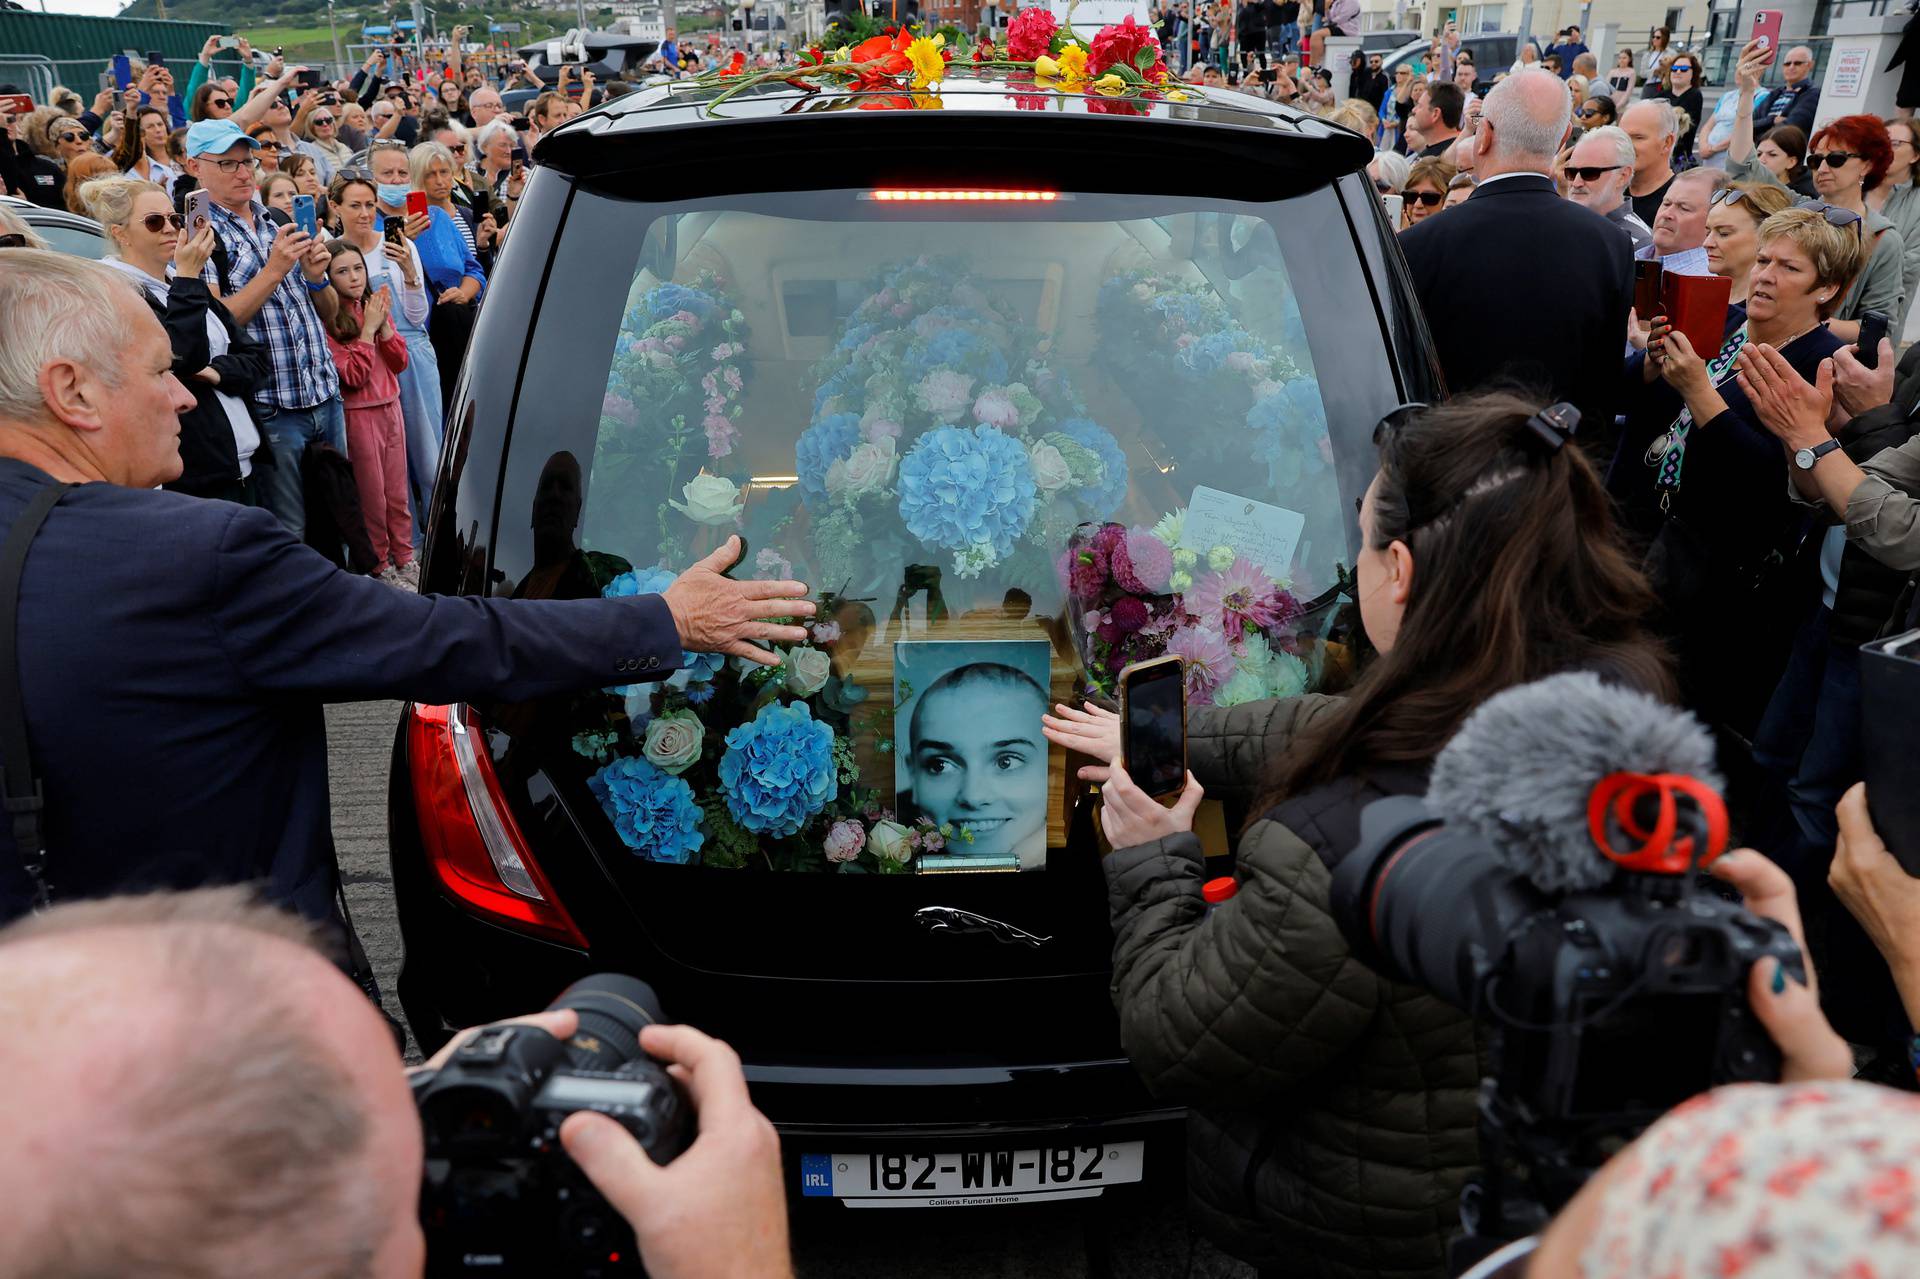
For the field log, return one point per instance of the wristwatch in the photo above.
(1807, 459)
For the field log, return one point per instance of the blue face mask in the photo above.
(394, 197)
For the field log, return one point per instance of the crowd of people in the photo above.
(1730, 522)
(312, 354)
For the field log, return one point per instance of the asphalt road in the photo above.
(1141, 1234)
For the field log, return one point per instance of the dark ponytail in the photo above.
(1518, 573)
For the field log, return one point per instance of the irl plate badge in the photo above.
(816, 1175)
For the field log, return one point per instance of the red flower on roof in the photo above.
(1030, 34)
(736, 65)
(1121, 44)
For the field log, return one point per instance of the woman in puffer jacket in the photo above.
(1334, 1120)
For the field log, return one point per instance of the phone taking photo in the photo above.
(394, 230)
(1766, 31)
(304, 215)
(416, 204)
(1873, 327)
(197, 215)
(1153, 725)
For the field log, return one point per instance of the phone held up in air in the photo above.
(304, 216)
(16, 104)
(416, 204)
(1766, 30)
(122, 72)
(1153, 725)
(1873, 327)
(198, 218)
(394, 230)
(155, 58)
(1392, 204)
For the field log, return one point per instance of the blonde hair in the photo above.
(1357, 114)
(110, 201)
(1837, 253)
(12, 223)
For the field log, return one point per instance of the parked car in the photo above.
(66, 232)
(1493, 54)
(928, 361)
(1386, 41)
(608, 55)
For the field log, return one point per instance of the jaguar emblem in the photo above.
(951, 919)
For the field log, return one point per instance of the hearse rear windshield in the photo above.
(1014, 440)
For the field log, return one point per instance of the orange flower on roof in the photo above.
(736, 65)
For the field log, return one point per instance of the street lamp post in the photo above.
(746, 12)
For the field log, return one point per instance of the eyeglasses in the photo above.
(69, 136)
(1832, 159)
(457, 148)
(1797, 62)
(230, 167)
(220, 102)
(264, 145)
(319, 119)
(1733, 195)
(1432, 199)
(1589, 172)
(153, 222)
(12, 240)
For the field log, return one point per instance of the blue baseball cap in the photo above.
(215, 137)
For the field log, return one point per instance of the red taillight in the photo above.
(471, 842)
(968, 195)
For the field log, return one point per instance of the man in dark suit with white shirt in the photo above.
(174, 655)
(1561, 342)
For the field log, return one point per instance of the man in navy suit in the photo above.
(175, 654)
(1560, 342)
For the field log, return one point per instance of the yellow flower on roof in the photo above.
(1110, 85)
(1072, 62)
(928, 65)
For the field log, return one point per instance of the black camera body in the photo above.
(499, 1194)
(1606, 1007)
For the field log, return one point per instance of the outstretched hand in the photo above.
(715, 614)
(1093, 731)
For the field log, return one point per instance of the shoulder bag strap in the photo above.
(23, 793)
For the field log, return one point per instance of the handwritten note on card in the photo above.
(1257, 531)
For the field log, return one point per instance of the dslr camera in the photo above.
(1606, 1005)
(500, 1195)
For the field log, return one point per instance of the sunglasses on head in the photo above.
(12, 240)
(1833, 159)
(1588, 172)
(154, 222)
(1837, 216)
(1432, 199)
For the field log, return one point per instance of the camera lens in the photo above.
(612, 1010)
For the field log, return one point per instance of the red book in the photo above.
(1696, 305)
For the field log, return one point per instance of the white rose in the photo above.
(888, 840)
(1050, 470)
(868, 468)
(710, 500)
(807, 670)
(673, 742)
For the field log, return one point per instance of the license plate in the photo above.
(924, 1180)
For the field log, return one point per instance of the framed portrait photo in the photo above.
(969, 753)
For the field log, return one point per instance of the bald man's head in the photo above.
(188, 1088)
(1797, 65)
(1529, 111)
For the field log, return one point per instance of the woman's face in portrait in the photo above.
(980, 762)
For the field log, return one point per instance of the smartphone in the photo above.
(1391, 202)
(308, 78)
(416, 204)
(517, 156)
(197, 215)
(1766, 29)
(304, 216)
(122, 71)
(1889, 738)
(1646, 289)
(1153, 725)
(394, 230)
(155, 58)
(228, 42)
(16, 104)
(1873, 327)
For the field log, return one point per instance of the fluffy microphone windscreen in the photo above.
(1519, 772)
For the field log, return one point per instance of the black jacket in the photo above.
(207, 451)
(1562, 343)
(1871, 596)
(32, 176)
(1333, 1123)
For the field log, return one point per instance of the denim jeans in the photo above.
(288, 432)
(420, 407)
(1287, 39)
